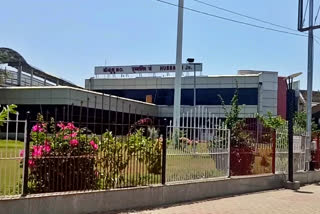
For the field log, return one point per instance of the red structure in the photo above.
(282, 97)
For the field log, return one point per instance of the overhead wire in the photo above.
(244, 15)
(256, 19)
(232, 20)
(315, 20)
(305, 12)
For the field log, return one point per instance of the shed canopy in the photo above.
(14, 59)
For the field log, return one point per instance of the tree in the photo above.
(232, 116)
(241, 148)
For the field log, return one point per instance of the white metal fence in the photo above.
(299, 149)
(199, 148)
(12, 143)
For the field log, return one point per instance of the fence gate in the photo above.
(12, 142)
(199, 148)
(299, 149)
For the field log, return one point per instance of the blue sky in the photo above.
(69, 37)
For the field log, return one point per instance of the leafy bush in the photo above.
(63, 158)
(271, 121)
(9, 109)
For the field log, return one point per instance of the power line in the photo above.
(305, 12)
(243, 15)
(315, 20)
(232, 20)
(257, 19)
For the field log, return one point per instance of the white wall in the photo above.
(267, 97)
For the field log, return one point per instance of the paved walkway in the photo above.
(305, 201)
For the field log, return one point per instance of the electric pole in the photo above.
(177, 81)
(309, 83)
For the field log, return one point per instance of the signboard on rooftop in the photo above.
(140, 69)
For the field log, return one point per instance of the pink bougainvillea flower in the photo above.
(37, 128)
(46, 142)
(61, 125)
(70, 126)
(37, 151)
(66, 137)
(47, 148)
(94, 145)
(21, 154)
(31, 163)
(74, 142)
(74, 134)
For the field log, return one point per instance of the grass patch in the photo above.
(186, 165)
(10, 171)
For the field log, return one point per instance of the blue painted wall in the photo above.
(205, 96)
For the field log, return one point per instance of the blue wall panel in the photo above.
(205, 96)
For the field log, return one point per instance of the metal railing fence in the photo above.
(299, 149)
(199, 148)
(12, 144)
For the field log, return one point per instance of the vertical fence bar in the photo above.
(95, 114)
(122, 141)
(229, 155)
(116, 153)
(128, 138)
(318, 150)
(15, 151)
(87, 119)
(164, 159)
(274, 139)
(26, 156)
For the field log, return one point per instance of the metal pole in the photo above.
(26, 156)
(194, 85)
(309, 84)
(164, 159)
(177, 82)
(290, 99)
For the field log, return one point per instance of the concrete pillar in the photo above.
(19, 74)
(260, 98)
(31, 78)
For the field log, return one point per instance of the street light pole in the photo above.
(177, 82)
(290, 115)
(191, 62)
(291, 96)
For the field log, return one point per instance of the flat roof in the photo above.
(73, 88)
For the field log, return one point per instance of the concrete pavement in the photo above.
(304, 201)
